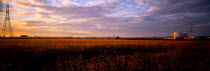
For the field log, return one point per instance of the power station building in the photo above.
(180, 35)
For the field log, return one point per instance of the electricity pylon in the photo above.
(191, 31)
(7, 28)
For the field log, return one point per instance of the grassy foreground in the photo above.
(103, 55)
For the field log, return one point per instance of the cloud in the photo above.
(39, 1)
(96, 17)
(176, 12)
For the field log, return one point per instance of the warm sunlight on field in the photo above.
(103, 54)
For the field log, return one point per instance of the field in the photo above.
(103, 55)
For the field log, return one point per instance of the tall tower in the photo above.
(7, 28)
(191, 31)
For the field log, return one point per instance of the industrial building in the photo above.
(179, 35)
(184, 35)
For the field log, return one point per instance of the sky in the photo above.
(105, 18)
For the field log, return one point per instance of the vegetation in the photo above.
(103, 55)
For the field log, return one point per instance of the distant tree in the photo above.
(117, 37)
(24, 36)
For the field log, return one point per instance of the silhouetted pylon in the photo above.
(7, 28)
(191, 31)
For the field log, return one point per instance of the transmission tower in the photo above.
(191, 31)
(7, 28)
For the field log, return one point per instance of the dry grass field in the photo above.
(103, 55)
